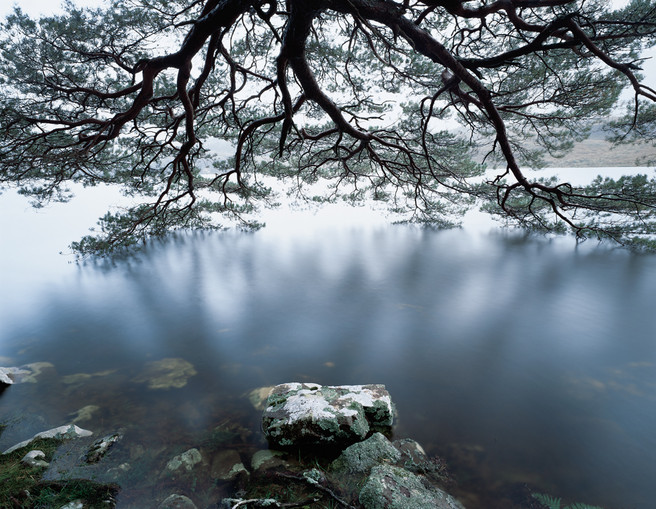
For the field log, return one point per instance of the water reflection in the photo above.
(520, 360)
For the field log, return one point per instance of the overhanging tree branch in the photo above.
(351, 91)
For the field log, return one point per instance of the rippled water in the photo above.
(521, 361)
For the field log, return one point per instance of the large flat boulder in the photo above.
(311, 414)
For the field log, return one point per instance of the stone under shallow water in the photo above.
(166, 373)
(184, 462)
(310, 414)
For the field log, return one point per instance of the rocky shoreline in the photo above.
(328, 446)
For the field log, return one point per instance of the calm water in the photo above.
(521, 361)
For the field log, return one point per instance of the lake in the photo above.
(522, 361)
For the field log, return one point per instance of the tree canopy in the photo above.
(197, 108)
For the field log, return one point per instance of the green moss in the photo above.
(275, 400)
(16, 478)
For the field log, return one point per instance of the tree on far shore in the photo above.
(197, 108)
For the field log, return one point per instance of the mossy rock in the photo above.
(390, 487)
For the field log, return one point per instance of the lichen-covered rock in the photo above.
(61, 433)
(390, 487)
(361, 457)
(311, 414)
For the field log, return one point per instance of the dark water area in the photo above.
(523, 362)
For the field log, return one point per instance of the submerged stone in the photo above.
(84, 414)
(227, 466)
(83, 377)
(258, 397)
(184, 462)
(311, 414)
(390, 487)
(267, 459)
(61, 433)
(166, 373)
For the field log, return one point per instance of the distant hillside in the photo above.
(597, 152)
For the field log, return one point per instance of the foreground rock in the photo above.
(363, 456)
(391, 487)
(310, 414)
(382, 475)
(372, 474)
(61, 433)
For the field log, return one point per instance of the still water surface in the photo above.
(521, 361)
